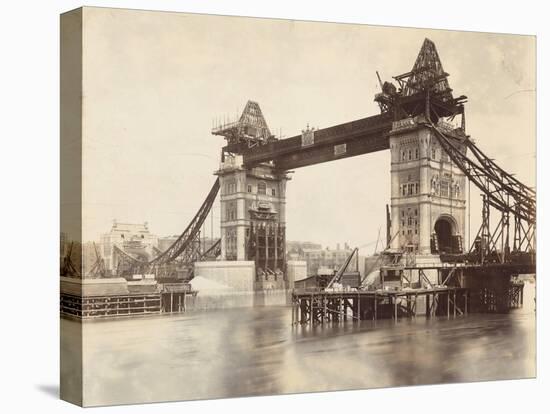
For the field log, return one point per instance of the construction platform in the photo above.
(323, 306)
(115, 297)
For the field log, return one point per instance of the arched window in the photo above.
(261, 187)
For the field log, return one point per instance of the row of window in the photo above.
(409, 212)
(410, 222)
(410, 189)
(408, 155)
(444, 188)
(231, 188)
(262, 189)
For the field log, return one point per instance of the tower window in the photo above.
(249, 188)
(273, 192)
(261, 187)
(231, 188)
(444, 189)
(410, 155)
(416, 153)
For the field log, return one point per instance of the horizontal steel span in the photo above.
(353, 138)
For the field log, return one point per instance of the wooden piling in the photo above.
(454, 303)
(358, 307)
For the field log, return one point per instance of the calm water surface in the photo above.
(253, 351)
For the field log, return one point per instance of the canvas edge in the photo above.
(71, 41)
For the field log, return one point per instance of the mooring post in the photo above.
(448, 303)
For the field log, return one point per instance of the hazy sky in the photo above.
(154, 81)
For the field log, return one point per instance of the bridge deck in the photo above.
(358, 137)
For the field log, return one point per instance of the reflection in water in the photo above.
(253, 351)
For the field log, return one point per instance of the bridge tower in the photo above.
(252, 202)
(428, 203)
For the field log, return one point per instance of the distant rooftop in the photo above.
(129, 227)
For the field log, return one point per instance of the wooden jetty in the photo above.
(322, 306)
(115, 297)
(92, 307)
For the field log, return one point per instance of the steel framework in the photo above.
(181, 254)
(501, 191)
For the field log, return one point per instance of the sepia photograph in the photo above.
(256, 206)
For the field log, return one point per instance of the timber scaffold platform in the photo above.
(171, 299)
(321, 306)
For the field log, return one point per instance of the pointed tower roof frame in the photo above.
(251, 127)
(426, 84)
(427, 73)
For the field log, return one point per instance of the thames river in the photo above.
(255, 351)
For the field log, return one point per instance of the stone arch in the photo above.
(445, 228)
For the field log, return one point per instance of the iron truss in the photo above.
(183, 252)
(501, 191)
(185, 239)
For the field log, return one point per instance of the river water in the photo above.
(255, 351)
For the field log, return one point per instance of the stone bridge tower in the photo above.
(427, 192)
(252, 203)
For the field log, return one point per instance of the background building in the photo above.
(319, 259)
(134, 239)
